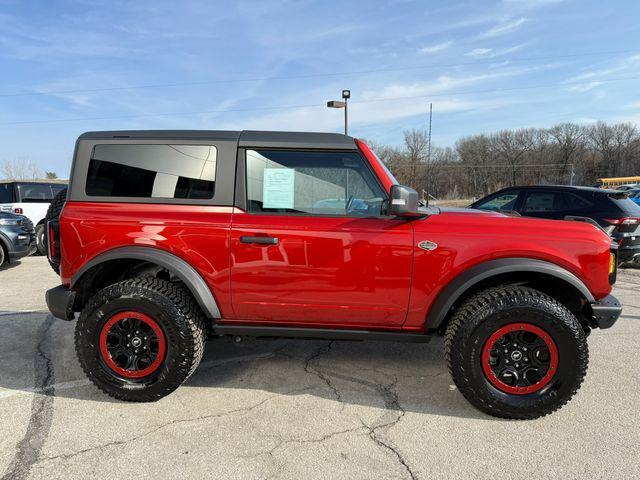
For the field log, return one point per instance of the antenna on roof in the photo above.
(429, 151)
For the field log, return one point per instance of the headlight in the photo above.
(9, 221)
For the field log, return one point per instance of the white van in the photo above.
(32, 200)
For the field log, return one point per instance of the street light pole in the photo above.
(346, 95)
(346, 117)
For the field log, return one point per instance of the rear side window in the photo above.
(35, 192)
(6, 193)
(574, 202)
(503, 202)
(628, 206)
(543, 202)
(312, 183)
(152, 171)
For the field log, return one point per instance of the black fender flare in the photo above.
(6, 243)
(467, 279)
(185, 272)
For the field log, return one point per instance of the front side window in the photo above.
(152, 171)
(315, 183)
(6, 193)
(504, 202)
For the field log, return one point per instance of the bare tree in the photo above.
(481, 164)
(513, 146)
(416, 143)
(20, 169)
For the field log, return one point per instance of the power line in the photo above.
(288, 107)
(315, 75)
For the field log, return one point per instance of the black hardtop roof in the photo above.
(244, 138)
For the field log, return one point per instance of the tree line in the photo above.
(477, 165)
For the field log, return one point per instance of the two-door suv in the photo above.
(166, 237)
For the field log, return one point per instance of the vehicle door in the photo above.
(313, 246)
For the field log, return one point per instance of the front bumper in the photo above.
(24, 252)
(60, 302)
(606, 311)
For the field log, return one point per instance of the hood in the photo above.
(10, 215)
(482, 223)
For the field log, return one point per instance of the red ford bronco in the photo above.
(165, 237)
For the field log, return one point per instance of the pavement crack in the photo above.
(283, 443)
(29, 448)
(249, 408)
(390, 396)
(314, 370)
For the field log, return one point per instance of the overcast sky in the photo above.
(70, 66)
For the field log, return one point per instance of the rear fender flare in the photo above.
(470, 277)
(185, 272)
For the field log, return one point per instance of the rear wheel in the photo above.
(3, 255)
(515, 352)
(138, 340)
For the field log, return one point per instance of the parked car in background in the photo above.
(613, 210)
(17, 237)
(32, 200)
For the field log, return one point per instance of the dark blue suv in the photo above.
(612, 210)
(17, 237)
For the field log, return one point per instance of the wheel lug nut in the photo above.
(506, 361)
(524, 348)
(517, 365)
(506, 351)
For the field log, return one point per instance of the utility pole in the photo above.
(429, 152)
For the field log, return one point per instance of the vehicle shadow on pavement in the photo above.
(10, 265)
(393, 376)
(398, 376)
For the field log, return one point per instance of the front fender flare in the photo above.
(467, 279)
(185, 272)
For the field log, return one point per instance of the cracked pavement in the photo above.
(266, 409)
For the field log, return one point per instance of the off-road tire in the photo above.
(3, 254)
(41, 240)
(482, 315)
(175, 311)
(53, 213)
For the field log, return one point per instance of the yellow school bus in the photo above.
(617, 181)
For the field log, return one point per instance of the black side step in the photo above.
(323, 333)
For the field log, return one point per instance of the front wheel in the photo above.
(139, 340)
(515, 352)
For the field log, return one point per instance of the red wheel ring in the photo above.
(515, 352)
(132, 344)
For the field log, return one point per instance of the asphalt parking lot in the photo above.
(300, 409)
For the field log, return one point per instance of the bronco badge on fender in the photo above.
(427, 245)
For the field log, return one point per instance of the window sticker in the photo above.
(278, 188)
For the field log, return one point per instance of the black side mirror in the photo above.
(403, 202)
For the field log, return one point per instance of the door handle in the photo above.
(260, 240)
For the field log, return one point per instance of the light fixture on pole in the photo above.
(346, 95)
